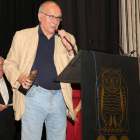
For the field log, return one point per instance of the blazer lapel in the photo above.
(55, 47)
(31, 52)
(57, 44)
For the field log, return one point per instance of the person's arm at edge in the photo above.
(77, 109)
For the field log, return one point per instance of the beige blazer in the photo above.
(20, 60)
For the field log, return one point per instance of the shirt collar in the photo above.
(40, 30)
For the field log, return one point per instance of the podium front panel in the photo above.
(110, 97)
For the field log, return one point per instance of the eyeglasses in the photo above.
(52, 18)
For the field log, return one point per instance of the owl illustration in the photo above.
(112, 100)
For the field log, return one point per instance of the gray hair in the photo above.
(41, 6)
(2, 58)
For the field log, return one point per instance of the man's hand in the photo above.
(2, 107)
(75, 114)
(24, 81)
(62, 34)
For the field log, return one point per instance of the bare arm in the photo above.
(2, 107)
(77, 109)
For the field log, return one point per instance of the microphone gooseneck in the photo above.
(120, 48)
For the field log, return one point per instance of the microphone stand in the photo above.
(120, 48)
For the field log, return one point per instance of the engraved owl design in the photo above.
(112, 100)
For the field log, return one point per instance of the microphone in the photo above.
(132, 52)
(120, 48)
(56, 31)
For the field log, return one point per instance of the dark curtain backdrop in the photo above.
(87, 20)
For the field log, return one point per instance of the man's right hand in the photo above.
(24, 81)
(2, 107)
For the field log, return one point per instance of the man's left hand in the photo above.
(62, 34)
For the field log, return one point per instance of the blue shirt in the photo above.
(44, 63)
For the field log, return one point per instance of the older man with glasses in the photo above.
(48, 53)
(7, 123)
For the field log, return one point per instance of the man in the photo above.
(7, 124)
(41, 49)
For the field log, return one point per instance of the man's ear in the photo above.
(39, 16)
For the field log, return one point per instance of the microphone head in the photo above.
(132, 52)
